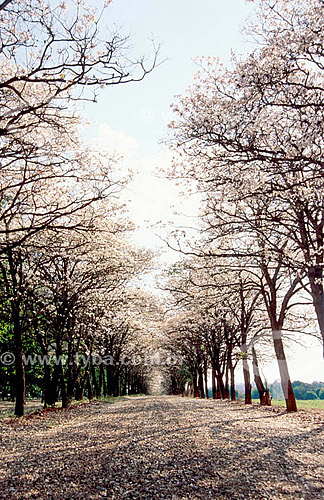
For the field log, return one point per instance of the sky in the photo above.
(132, 119)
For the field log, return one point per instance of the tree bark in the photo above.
(286, 384)
(214, 389)
(247, 382)
(263, 392)
(201, 383)
(195, 385)
(318, 300)
(206, 378)
(220, 386)
(232, 373)
(20, 379)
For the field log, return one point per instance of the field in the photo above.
(307, 404)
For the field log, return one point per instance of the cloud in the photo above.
(116, 141)
(150, 198)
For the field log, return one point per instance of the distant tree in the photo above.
(311, 395)
(321, 394)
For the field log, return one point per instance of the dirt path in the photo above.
(164, 448)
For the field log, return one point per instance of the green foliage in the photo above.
(6, 372)
(184, 375)
(321, 394)
(242, 355)
(304, 391)
(255, 394)
(311, 395)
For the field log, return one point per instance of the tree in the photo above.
(50, 55)
(60, 49)
(238, 213)
(218, 315)
(263, 120)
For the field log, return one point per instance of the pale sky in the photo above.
(133, 118)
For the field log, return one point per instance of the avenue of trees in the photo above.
(74, 318)
(68, 274)
(250, 140)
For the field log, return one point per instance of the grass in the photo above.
(7, 408)
(307, 404)
(110, 399)
(33, 404)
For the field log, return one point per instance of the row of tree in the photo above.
(67, 270)
(250, 141)
(217, 321)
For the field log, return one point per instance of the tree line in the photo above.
(69, 276)
(303, 390)
(249, 140)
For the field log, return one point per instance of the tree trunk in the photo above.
(72, 375)
(116, 382)
(214, 389)
(233, 394)
(220, 386)
(89, 387)
(110, 380)
(226, 387)
(125, 381)
(195, 386)
(231, 370)
(81, 386)
(60, 371)
(318, 300)
(201, 383)
(52, 390)
(66, 400)
(286, 385)
(94, 379)
(103, 381)
(263, 392)
(247, 381)
(206, 379)
(47, 370)
(51, 394)
(20, 380)
(46, 384)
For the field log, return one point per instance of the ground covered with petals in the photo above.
(163, 448)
